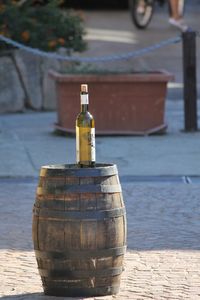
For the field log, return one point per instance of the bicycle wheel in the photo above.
(141, 12)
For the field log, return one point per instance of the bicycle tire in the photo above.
(141, 19)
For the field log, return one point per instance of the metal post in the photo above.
(190, 81)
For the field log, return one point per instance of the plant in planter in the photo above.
(38, 24)
(46, 27)
(121, 103)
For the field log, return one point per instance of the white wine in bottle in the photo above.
(85, 132)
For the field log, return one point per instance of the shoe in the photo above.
(180, 24)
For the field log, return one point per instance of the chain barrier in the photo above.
(54, 55)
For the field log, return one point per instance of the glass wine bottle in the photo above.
(85, 132)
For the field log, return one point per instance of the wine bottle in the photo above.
(85, 132)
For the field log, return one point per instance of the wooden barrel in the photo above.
(79, 230)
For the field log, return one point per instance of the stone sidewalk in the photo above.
(163, 257)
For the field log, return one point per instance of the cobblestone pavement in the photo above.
(163, 257)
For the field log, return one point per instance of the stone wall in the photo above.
(24, 82)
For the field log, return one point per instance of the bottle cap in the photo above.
(84, 88)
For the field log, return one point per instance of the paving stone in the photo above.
(154, 268)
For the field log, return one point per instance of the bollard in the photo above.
(189, 79)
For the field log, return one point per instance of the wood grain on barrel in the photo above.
(79, 231)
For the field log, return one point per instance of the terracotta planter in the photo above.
(120, 103)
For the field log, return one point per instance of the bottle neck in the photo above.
(84, 102)
(84, 107)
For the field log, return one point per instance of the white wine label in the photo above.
(85, 145)
(93, 151)
(77, 145)
(84, 99)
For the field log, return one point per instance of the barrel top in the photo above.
(100, 169)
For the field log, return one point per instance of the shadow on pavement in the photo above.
(160, 216)
(37, 296)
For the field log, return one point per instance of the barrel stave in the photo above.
(79, 231)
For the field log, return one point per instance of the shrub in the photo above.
(43, 26)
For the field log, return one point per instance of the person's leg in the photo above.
(174, 9)
(175, 18)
